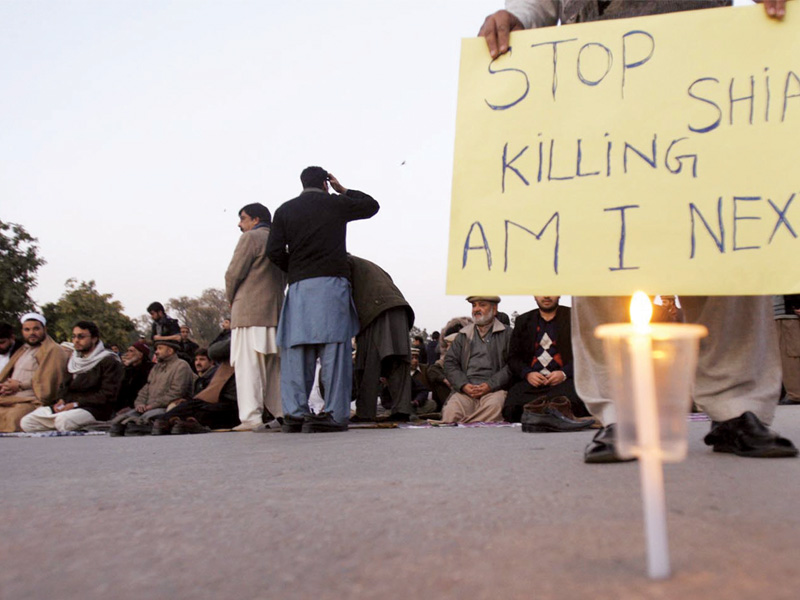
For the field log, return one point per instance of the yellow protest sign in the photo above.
(657, 153)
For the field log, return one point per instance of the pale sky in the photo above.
(132, 132)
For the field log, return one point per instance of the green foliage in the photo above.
(81, 301)
(19, 261)
(203, 315)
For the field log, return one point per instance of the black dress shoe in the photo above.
(602, 448)
(291, 424)
(747, 436)
(551, 419)
(322, 423)
(399, 418)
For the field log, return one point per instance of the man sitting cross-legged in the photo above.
(476, 367)
(170, 379)
(89, 389)
(213, 405)
(32, 375)
(540, 360)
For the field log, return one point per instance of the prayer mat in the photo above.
(42, 434)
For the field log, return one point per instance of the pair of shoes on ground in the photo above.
(310, 423)
(178, 426)
(744, 435)
(546, 415)
(130, 429)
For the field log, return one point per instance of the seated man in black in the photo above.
(137, 365)
(213, 405)
(540, 359)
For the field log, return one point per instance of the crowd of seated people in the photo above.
(479, 369)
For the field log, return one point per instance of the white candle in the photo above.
(649, 448)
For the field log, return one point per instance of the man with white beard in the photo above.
(476, 366)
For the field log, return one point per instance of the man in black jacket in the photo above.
(540, 359)
(318, 318)
(89, 390)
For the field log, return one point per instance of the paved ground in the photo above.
(442, 513)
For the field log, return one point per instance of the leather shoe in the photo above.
(551, 419)
(163, 426)
(117, 430)
(133, 429)
(322, 423)
(602, 448)
(189, 425)
(291, 424)
(747, 436)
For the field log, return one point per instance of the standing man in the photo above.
(254, 287)
(382, 347)
(89, 390)
(738, 374)
(318, 318)
(32, 376)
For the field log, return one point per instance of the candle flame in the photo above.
(641, 309)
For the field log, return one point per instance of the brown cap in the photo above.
(495, 299)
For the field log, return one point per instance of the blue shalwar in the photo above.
(318, 320)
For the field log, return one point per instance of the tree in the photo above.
(19, 261)
(82, 302)
(203, 315)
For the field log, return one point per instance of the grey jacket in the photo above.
(546, 13)
(253, 285)
(457, 358)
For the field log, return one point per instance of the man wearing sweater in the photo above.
(318, 318)
(254, 287)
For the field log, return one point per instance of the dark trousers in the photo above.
(398, 383)
(523, 392)
(216, 416)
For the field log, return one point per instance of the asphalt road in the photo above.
(488, 513)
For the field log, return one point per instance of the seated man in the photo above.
(89, 389)
(137, 364)
(170, 379)
(205, 368)
(421, 397)
(164, 328)
(540, 360)
(32, 376)
(8, 344)
(188, 346)
(213, 405)
(475, 366)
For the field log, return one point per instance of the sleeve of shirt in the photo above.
(534, 13)
(143, 397)
(501, 379)
(516, 354)
(240, 265)
(359, 205)
(452, 364)
(276, 244)
(111, 372)
(180, 386)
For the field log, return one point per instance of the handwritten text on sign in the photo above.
(658, 153)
